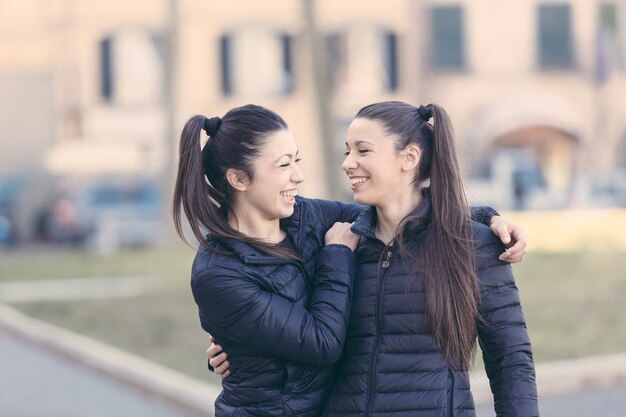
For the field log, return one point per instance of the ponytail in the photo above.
(450, 281)
(202, 190)
(445, 255)
(192, 192)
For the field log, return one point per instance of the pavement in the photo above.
(38, 382)
(569, 376)
(46, 371)
(589, 402)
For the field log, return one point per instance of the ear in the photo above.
(410, 157)
(237, 179)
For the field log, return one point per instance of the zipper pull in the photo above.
(386, 261)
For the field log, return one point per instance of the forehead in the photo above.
(279, 143)
(366, 129)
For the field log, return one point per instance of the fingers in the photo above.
(216, 361)
(501, 230)
(519, 235)
(513, 237)
(222, 369)
(220, 365)
(515, 253)
(213, 350)
(341, 234)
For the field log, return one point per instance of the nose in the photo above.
(348, 163)
(297, 175)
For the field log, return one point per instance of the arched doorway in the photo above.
(537, 165)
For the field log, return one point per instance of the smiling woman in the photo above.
(272, 278)
(429, 283)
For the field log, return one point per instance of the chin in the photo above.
(360, 199)
(286, 213)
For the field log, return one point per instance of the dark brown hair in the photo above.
(446, 253)
(202, 189)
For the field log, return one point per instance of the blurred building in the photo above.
(535, 87)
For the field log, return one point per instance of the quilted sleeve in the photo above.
(234, 306)
(503, 337)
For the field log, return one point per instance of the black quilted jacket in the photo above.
(391, 364)
(283, 323)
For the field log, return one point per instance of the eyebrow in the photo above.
(360, 142)
(287, 154)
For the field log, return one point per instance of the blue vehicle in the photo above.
(107, 215)
(8, 199)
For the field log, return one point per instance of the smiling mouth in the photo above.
(356, 182)
(289, 195)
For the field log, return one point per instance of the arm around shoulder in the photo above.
(483, 214)
(503, 337)
(331, 212)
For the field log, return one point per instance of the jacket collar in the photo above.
(294, 225)
(366, 221)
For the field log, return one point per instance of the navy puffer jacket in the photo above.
(392, 365)
(282, 322)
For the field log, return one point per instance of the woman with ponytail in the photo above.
(273, 275)
(429, 282)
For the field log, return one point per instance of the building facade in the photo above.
(534, 87)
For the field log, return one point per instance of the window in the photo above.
(555, 37)
(363, 60)
(256, 61)
(106, 70)
(447, 46)
(131, 68)
(609, 48)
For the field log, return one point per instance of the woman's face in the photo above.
(276, 177)
(372, 163)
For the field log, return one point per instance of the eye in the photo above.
(363, 151)
(285, 165)
(298, 160)
(346, 152)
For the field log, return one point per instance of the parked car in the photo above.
(107, 215)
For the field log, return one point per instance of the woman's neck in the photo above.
(390, 214)
(255, 226)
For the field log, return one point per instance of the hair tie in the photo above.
(425, 113)
(211, 125)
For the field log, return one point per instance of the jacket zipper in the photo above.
(451, 396)
(379, 323)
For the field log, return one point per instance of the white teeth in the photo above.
(289, 194)
(358, 180)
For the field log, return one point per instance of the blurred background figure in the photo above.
(60, 224)
(8, 194)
